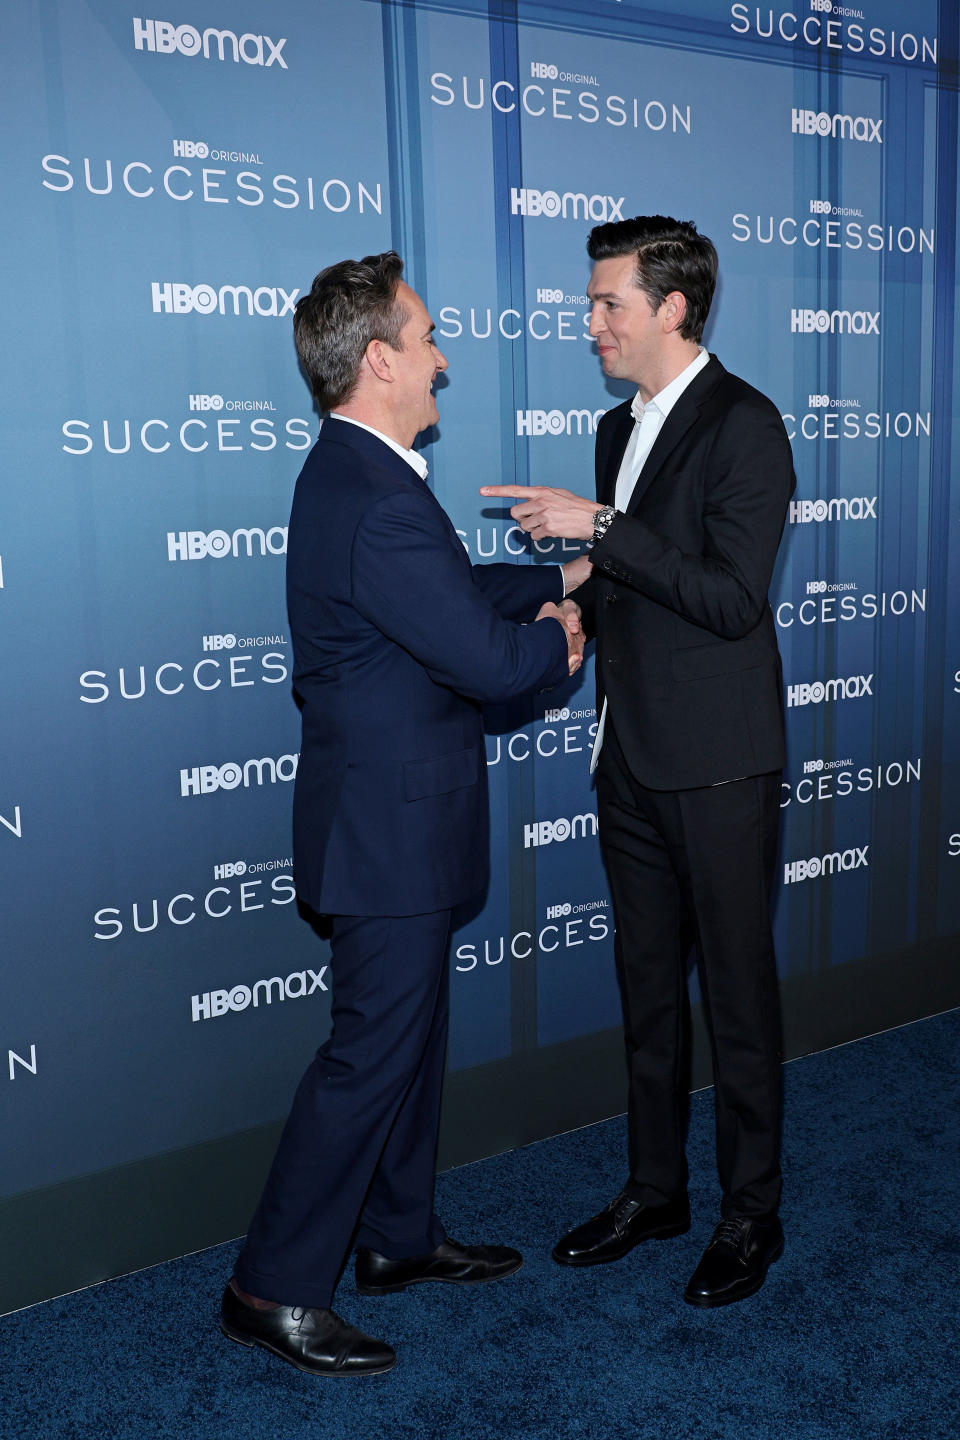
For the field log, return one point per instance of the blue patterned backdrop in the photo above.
(170, 188)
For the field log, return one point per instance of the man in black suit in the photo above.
(397, 641)
(693, 481)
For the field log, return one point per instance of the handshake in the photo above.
(544, 511)
(575, 572)
(568, 614)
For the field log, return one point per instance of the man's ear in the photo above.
(379, 357)
(673, 311)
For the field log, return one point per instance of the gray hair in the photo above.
(349, 304)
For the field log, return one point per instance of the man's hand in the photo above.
(575, 572)
(545, 511)
(568, 615)
(571, 613)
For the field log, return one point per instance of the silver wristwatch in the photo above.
(602, 520)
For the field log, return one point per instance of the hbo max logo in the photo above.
(164, 38)
(852, 688)
(860, 507)
(844, 127)
(559, 912)
(172, 297)
(819, 865)
(557, 422)
(206, 402)
(218, 544)
(214, 1003)
(552, 205)
(835, 322)
(207, 779)
(545, 832)
(540, 71)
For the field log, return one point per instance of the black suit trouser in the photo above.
(357, 1159)
(696, 867)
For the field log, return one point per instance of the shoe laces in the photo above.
(731, 1232)
(623, 1206)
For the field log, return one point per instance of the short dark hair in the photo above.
(670, 255)
(349, 304)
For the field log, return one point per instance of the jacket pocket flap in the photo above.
(440, 775)
(722, 657)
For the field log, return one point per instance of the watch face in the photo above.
(601, 522)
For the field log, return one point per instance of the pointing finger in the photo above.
(511, 492)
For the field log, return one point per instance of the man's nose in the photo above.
(442, 362)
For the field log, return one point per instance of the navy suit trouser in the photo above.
(356, 1162)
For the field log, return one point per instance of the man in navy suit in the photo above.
(397, 642)
(693, 478)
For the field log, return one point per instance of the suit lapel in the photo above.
(683, 415)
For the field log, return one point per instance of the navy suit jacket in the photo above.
(397, 641)
(686, 646)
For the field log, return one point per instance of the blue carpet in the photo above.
(854, 1335)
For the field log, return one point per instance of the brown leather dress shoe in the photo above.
(617, 1229)
(317, 1341)
(450, 1263)
(735, 1263)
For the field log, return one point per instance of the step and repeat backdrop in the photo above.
(172, 184)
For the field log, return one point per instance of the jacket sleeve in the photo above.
(585, 596)
(517, 591)
(413, 582)
(723, 587)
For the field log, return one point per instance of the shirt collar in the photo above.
(412, 457)
(665, 399)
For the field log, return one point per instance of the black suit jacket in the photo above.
(686, 646)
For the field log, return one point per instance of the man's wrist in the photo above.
(602, 520)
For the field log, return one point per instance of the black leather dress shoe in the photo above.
(623, 1224)
(735, 1263)
(314, 1340)
(451, 1263)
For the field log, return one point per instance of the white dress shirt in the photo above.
(649, 420)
